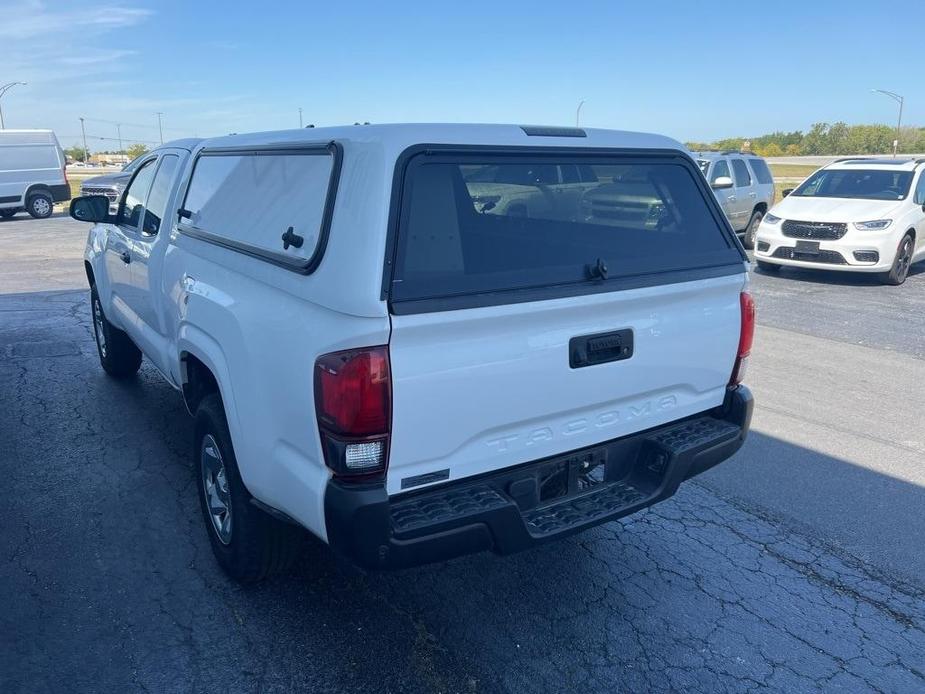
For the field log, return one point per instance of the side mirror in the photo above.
(786, 191)
(721, 182)
(90, 208)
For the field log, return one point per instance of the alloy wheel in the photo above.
(98, 327)
(41, 206)
(215, 488)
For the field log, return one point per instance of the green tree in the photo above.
(772, 149)
(136, 150)
(816, 141)
(838, 139)
(77, 153)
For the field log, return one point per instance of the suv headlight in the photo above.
(874, 225)
(770, 219)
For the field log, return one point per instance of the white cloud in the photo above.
(95, 57)
(35, 20)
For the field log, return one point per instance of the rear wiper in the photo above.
(597, 271)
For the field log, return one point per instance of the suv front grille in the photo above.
(830, 257)
(110, 193)
(824, 231)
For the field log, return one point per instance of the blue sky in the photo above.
(690, 70)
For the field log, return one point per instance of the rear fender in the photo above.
(205, 348)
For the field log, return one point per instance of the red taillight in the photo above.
(353, 401)
(746, 337)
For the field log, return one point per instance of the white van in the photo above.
(32, 173)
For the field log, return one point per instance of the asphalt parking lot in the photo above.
(796, 566)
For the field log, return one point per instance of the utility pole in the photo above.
(83, 132)
(159, 128)
(300, 119)
(3, 90)
(899, 123)
(119, 131)
(578, 112)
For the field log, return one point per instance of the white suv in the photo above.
(860, 215)
(418, 341)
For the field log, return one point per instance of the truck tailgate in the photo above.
(481, 389)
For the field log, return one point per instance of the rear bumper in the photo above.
(520, 507)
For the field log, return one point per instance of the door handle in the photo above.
(731, 198)
(126, 257)
(753, 195)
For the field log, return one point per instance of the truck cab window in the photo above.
(134, 201)
(160, 192)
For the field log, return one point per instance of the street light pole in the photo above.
(899, 123)
(159, 128)
(578, 112)
(3, 90)
(119, 131)
(300, 119)
(84, 133)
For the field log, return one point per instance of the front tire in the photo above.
(248, 543)
(40, 205)
(119, 356)
(748, 239)
(901, 263)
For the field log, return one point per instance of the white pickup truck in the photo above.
(421, 341)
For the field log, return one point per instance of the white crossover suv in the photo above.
(862, 215)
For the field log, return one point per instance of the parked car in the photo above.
(744, 186)
(855, 215)
(32, 173)
(375, 353)
(111, 185)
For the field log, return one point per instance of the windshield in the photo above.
(868, 184)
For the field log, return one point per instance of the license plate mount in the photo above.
(806, 248)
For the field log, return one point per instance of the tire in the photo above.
(748, 239)
(901, 262)
(119, 356)
(767, 267)
(6, 214)
(40, 205)
(249, 544)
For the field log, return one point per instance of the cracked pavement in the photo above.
(107, 582)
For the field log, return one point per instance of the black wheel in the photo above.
(250, 545)
(119, 356)
(6, 214)
(900, 270)
(40, 205)
(748, 239)
(767, 267)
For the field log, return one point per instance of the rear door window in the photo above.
(475, 224)
(740, 173)
(250, 200)
(762, 172)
